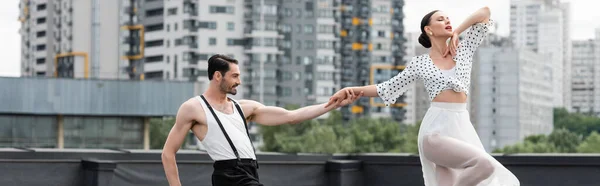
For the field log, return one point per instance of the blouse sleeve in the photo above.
(472, 39)
(393, 88)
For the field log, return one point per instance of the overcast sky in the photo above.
(585, 18)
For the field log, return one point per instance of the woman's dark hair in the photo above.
(423, 38)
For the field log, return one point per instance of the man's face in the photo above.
(231, 79)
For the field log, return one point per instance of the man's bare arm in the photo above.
(270, 115)
(183, 123)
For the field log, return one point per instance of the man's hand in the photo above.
(350, 99)
(341, 96)
(452, 46)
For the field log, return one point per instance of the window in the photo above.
(309, 44)
(153, 59)
(309, 29)
(172, 11)
(209, 25)
(40, 61)
(256, 42)
(154, 12)
(222, 9)
(230, 26)
(235, 42)
(41, 7)
(270, 10)
(154, 43)
(297, 76)
(271, 26)
(28, 131)
(40, 47)
(41, 20)
(308, 60)
(40, 34)
(156, 27)
(212, 41)
(286, 28)
(104, 132)
(269, 42)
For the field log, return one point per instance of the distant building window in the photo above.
(41, 7)
(222, 9)
(154, 12)
(156, 27)
(40, 47)
(40, 34)
(40, 61)
(154, 75)
(41, 20)
(212, 41)
(172, 11)
(152, 59)
(154, 43)
(230, 26)
(209, 25)
(42, 73)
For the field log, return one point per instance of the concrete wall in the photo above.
(125, 168)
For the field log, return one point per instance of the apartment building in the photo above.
(543, 26)
(73, 39)
(511, 95)
(586, 75)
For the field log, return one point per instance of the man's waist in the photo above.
(224, 164)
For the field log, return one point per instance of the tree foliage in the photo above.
(573, 133)
(330, 135)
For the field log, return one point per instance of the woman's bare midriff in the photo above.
(451, 96)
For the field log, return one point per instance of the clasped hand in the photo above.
(344, 97)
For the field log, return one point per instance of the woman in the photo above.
(450, 150)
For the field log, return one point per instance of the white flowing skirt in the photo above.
(452, 120)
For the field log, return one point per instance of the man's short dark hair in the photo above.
(219, 63)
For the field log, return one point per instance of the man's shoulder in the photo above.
(192, 104)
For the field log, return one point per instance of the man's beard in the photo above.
(228, 89)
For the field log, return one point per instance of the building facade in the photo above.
(543, 26)
(511, 95)
(73, 39)
(585, 76)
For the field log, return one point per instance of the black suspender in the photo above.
(245, 125)
(223, 129)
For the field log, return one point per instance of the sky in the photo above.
(585, 18)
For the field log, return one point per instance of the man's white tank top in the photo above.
(215, 142)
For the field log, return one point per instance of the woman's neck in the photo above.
(438, 47)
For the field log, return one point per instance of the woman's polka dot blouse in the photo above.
(422, 67)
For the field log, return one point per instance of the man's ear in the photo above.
(218, 75)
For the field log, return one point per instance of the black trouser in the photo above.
(235, 173)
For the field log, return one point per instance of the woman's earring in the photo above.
(431, 33)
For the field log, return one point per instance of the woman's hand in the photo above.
(340, 96)
(452, 46)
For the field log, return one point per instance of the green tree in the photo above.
(329, 135)
(564, 140)
(159, 130)
(591, 144)
(575, 122)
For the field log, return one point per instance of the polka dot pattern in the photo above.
(422, 67)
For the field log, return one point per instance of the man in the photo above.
(220, 124)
